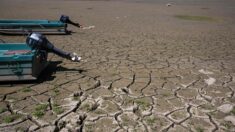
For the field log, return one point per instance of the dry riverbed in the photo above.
(147, 66)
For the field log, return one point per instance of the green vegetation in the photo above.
(178, 115)
(38, 114)
(207, 106)
(195, 18)
(57, 109)
(76, 98)
(26, 90)
(143, 104)
(125, 120)
(2, 110)
(41, 107)
(89, 127)
(227, 124)
(113, 74)
(56, 91)
(40, 110)
(128, 101)
(88, 85)
(233, 111)
(11, 118)
(151, 120)
(166, 94)
(20, 129)
(86, 107)
(99, 111)
(199, 129)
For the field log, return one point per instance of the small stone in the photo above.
(210, 81)
(230, 118)
(205, 71)
(135, 108)
(225, 108)
(168, 4)
(42, 122)
(74, 120)
(89, 27)
(64, 130)
(208, 97)
(69, 127)
(146, 113)
(33, 128)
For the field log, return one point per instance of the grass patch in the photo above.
(151, 120)
(233, 111)
(166, 94)
(125, 120)
(76, 98)
(26, 90)
(40, 110)
(57, 109)
(227, 124)
(41, 107)
(99, 112)
(128, 101)
(195, 18)
(143, 104)
(2, 110)
(207, 106)
(89, 127)
(199, 129)
(20, 129)
(11, 118)
(56, 91)
(86, 107)
(38, 114)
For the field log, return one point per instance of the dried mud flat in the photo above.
(144, 69)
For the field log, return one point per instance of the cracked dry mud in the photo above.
(143, 70)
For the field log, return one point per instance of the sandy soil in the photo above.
(144, 69)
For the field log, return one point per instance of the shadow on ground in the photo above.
(46, 75)
(52, 68)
